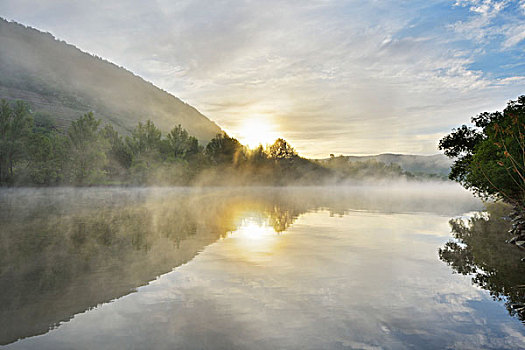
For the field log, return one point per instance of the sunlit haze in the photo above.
(342, 77)
(256, 131)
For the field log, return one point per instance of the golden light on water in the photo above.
(254, 239)
(257, 131)
(252, 229)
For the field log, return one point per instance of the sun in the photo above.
(256, 131)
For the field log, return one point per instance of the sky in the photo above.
(329, 76)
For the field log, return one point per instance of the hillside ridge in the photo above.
(417, 164)
(63, 82)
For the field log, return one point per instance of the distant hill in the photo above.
(60, 81)
(436, 164)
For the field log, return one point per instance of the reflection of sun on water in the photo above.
(253, 230)
(254, 238)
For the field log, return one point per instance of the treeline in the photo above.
(33, 151)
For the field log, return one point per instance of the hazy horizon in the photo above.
(330, 77)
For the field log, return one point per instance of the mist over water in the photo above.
(240, 268)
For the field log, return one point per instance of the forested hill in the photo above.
(60, 81)
(436, 164)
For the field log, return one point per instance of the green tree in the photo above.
(119, 154)
(145, 138)
(88, 150)
(43, 124)
(223, 149)
(489, 156)
(15, 127)
(180, 145)
(47, 157)
(144, 144)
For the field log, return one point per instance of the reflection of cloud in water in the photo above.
(366, 280)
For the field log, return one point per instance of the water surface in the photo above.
(216, 268)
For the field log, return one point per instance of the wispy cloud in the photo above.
(335, 76)
(490, 21)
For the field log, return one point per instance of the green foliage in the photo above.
(145, 138)
(43, 124)
(47, 158)
(119, 155)
(15, 127)
(223, 149)
(180, 145)
(144, 143)
(87, 152)
(490, 157)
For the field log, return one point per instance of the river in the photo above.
(241, 268)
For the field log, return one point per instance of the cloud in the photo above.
(514, 35)
(486, 22)
(336, 76)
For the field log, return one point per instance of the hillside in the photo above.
(60, 81)
(436, 164)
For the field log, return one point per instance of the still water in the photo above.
(264, 268)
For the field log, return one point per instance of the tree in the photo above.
(257, 156)
(88, 150)
(145, 138)
(490, 157)
(180, 145)
(223, 149)
(47, 156)
(144, 144)
(281, 150)
(15, 127)
(118, 151)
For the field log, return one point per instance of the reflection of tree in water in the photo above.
(281, 218)
(58, 259)
(64, 259)
(63, 251)
(480, 250)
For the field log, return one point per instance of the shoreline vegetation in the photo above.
(490, 160)
(36, 152)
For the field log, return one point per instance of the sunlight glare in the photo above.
(255, 240)
(256, 131)
(251, 229)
